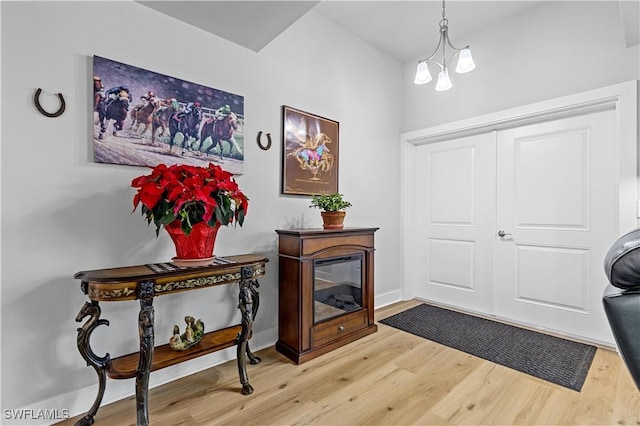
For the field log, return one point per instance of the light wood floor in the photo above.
(387, 378)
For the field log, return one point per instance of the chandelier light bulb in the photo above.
(444, 82)
(465, 61)
(422, 74)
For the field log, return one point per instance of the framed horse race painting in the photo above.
(310, 153)
(143, 118)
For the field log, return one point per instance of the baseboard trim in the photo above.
(388, 298)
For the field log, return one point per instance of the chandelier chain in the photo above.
(444, 22)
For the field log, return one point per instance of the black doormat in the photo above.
(550, 358)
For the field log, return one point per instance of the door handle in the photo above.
(503, 234)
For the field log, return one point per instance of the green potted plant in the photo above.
(332, 206)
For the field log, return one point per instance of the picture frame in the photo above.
(310, 153)
(163, 119)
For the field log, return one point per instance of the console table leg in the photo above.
(255, 298)
(253, 359)
(92, 310)
(145, 328)
(246, 299)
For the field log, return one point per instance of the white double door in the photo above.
(516, 223)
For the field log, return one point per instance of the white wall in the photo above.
(62, 213)
(555, 49)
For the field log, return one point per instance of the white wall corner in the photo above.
(629, 13)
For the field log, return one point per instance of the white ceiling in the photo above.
(408, 29)
(403, 29)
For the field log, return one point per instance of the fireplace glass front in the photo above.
(337, 286)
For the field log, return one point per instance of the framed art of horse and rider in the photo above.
(143, 118)
(310, 153)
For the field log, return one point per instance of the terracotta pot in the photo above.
(195, 249)
(333, 220)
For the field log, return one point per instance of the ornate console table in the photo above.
(143, 283)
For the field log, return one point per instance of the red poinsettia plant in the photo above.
(189, 194)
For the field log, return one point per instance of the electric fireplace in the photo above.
(325, 297)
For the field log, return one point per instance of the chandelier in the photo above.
(465, 61)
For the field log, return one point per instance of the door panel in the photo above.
(441, 257)
(553, 276)
(455, 207)
(451, 184)
(559, 161)
(554, 183)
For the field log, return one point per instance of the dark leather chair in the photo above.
(621, 299)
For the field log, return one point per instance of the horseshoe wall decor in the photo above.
(36, 101)
(268, 145)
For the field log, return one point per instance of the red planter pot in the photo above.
(195, 249)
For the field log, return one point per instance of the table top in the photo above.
(122, 283)
(325, 232)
